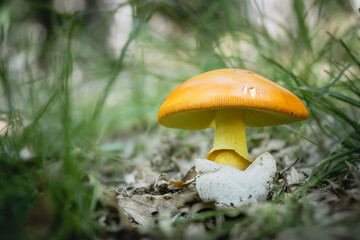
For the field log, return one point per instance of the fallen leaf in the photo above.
(189, 178)
(146, 209)
(293, 177)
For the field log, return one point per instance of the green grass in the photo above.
(70, 125)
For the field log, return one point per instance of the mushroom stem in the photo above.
(230, 139)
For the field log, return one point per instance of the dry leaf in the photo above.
(146, 209)
(189, 178)
(293, 178)
(139, 207)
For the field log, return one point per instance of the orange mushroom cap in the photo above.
(193, 104)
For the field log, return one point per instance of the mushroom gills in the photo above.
(230, 146)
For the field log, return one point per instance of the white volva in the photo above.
(232, 186)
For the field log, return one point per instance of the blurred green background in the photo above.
(82, 82)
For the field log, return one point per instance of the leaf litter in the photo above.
(158, 199)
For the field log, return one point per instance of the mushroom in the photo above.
(230, 99)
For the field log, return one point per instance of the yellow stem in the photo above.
(230, 139)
